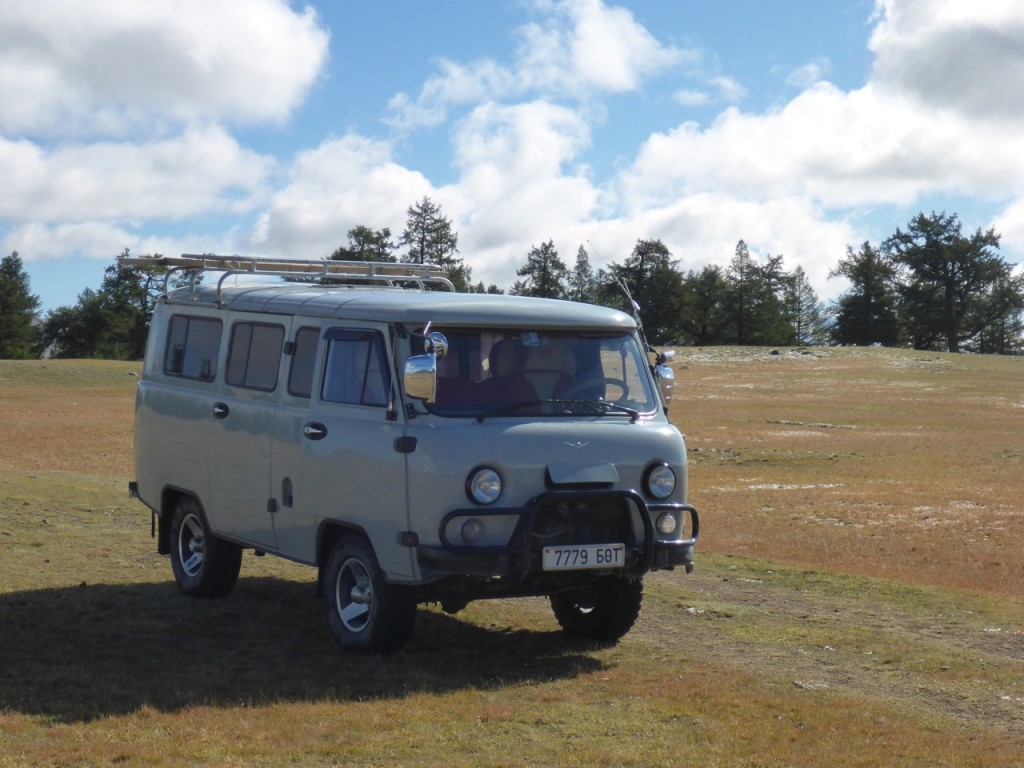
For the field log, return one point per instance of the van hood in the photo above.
(531, 456)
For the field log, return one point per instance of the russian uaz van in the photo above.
(415, 445)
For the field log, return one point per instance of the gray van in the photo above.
(414, 444)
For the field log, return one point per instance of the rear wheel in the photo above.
(606, 610)
(366, 614)
(203, 564)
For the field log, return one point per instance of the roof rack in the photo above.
(388, 273)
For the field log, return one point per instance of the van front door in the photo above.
(349, 468)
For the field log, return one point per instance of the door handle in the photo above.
(220, 410)
(314, 430)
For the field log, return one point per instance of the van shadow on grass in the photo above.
(81, 653)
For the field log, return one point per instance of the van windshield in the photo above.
(499, 372)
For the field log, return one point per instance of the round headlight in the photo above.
(661, 481)
(483, 485)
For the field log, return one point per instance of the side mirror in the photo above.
(420, 378)
(436, 344)
(666, 376)
(666, 381)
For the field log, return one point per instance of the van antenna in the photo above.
(634, 306)
(635, 309)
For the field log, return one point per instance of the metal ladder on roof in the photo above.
(382, 272)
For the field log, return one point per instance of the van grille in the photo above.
(587, 519)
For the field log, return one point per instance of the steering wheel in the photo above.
(597, 383)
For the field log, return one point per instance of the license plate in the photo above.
(584, 557)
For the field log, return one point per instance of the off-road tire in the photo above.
(203, 564)
(605, 611)
(365, 613)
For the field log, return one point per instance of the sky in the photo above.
(271, 128)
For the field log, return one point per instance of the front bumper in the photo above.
(520, 559)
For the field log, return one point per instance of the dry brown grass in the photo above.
(908, 466)
(809, 469)
(67, 416)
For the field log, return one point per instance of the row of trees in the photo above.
(928, 287)
(748, 303)
(932, 287)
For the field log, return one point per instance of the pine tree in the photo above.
(17, 310)
(946, 282)
(544, 274)
(866, 314)
(365, 244)
(112, 322)
(430, 239)
(703, 306)
(755, 301)
(655, 283)
(581, 283)
(806, 313)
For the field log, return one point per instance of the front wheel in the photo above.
(366, 614)
(605, 611)
(203, 564)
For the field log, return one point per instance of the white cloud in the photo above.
(340, 184)
(610, 50)
(201, 171)
(1010, 224)
(579, 48)
(953, 54)
(519, 182)
(688, 97)
(787, 180)
(102, 67)
(454, 84)
(940, 116)
(37, 241)
(729, 89)
(810, 73)
(842, 149)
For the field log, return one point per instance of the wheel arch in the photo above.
(328, 535)
(169, 498)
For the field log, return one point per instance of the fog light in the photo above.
(472, 531)
(666, 523)
(483, 485)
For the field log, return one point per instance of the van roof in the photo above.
(410, 306)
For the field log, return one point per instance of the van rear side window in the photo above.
(255, 355)
(193, 347)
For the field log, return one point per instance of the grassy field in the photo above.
(858, 598)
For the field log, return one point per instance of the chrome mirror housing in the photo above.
(665, 375)
(437, 344)
(420, 377)
(666, 382)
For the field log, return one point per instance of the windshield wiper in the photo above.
(602, 406)
(605, 407)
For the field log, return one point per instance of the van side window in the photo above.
(193, 346)
(356, 371)
(300, 378)
(255, 355)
